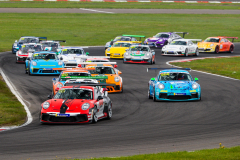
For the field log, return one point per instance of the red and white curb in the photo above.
(189, 60)
(130, 1)
(14, 90)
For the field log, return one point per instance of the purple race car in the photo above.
(163, 38)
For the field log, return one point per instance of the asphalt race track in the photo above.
(138, 126)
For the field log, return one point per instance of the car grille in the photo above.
(48, 71)
(35, 70)
(170, 52)
(78, 118)
(137, 60)
(195, 95)
(179, 97)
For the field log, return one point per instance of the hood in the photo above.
(206, 44)
(138, 53)
(118, 49)
(178, 85)
(70, 56)
(73, 104)
(174, 46)
(154, 39)
(46, 63)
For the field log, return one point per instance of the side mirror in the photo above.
(61, 58)
(153, 79)
(119, 72)
(115, 66)
(57, 89)
(105, 89)
(195, 79)
(28, 58)
(87, 53)
(54, 79)
(99, 98)
(16, 41)
(80, 66)
(49, 96)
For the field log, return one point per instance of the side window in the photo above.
(226, 40)
(222, 40)
(95, 94)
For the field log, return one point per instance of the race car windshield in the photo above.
(139, 48)
(44, 56)
(72, 51)
(50, 44)
(174, 76)
(121, 45)
(28, 40)
(216, 40)
(102, 70)
(25, 48)
(74, 74)
(74, 94)
(162, 35)
(178, 43)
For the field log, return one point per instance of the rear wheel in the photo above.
(149, 96)
(231, 49)
(217, 49)
(186, 53)
(109, 111)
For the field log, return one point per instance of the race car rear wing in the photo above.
(195, 40)
(40, 38)
(69, 69)
(85, 84)
(86, 57)
(86, 63)
(85, 77)
(137, 36)
(154, 69)
(229, 38)
(182, 33)
(60, 41)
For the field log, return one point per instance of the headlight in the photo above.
(85, 106)
(34, 63)
(60, 63)
(194, 86)
(161, 86)
(126, 53)
(15, 45)
(108, 49)
(46, 105)
(148, 54)
(164, 47)
(59, 85)
(116, 79)
(160, 40)
(211, 45)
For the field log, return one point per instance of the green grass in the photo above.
(11, 110)
(130, 5)
(97, 29)
(206, 154)
(229, 67)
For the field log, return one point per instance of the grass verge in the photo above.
(128, 5)
(11, 110)
(97, 29)
(206, 154)
(229, 67)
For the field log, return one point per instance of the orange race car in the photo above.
(111, 72)
(217, 44)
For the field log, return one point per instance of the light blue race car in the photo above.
(173, 84)
(43, 62)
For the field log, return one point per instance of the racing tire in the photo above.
(121, 90)
(26, 71)
(149, 96)
(165, 43)
(108, 111)
(231, 49)
(154, 98)
(217, 49)
(197, 52)
(39, 117)
(29, 73)
(186, 53)
(95, 119)
(154, 62)
(151, 62)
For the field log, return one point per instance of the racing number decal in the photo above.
(221, 46)
(67, 103)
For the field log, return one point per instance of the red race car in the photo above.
(77, 103)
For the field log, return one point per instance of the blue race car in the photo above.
(43, 62)
(25, 39)
(173, 84)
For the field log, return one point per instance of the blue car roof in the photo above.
(174, 70)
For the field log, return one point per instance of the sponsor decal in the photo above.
(163, 91)
(179, 94)
(62, 115)
(193, 91)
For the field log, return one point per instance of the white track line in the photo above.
(168, 63)
(20, 98)
(92, 10)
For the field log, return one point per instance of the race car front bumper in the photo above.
(70, 65)
(112, 89)
(173, 53)
(191, 95)
(206, 49)
(154, 44)
(134, 60)
(21, 58)
(44, 71)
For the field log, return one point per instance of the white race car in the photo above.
(181, 47)
(70, 56)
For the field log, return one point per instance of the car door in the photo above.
(191, 47)
(222, 45)
(228, 44)
(99, 103)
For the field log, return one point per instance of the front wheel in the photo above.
(109, 111)
(197, 52)
(149, 96)
(154, 98)
(186, 53)
(29, 73)
(217, 49)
